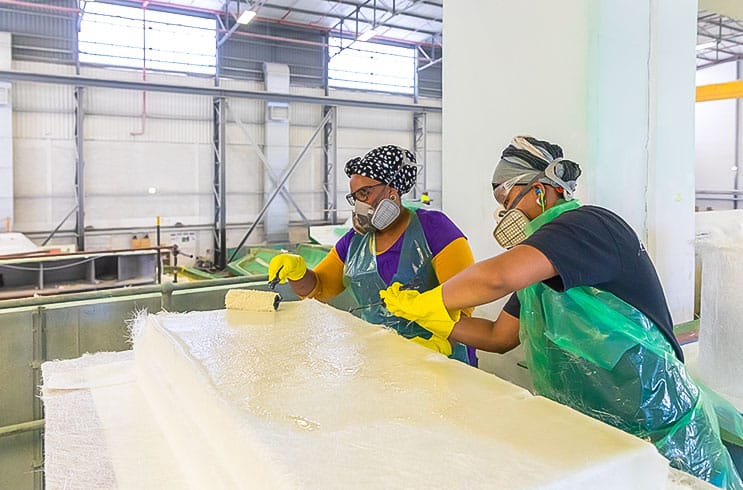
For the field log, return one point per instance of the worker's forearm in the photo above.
(482, 334)
(304, 286)
(474, 286)
(496, 277)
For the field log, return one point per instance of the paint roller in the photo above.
(253, 300)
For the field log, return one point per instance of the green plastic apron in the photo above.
(590, 350)
(414, 270)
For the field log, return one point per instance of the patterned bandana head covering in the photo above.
(527, 157)
(389, 164)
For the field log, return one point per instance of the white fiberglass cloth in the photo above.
(312, 397)
(99, 432)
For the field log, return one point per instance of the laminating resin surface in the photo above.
(312, 397)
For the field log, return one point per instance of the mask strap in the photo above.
(524, 192)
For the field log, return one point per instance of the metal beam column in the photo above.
(330, 154)
(80, 168)
(420, 150)
(219, 184)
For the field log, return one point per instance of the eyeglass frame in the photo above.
(351, 196)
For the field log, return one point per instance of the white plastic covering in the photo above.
(15, 243)
(720, 245)
(311, 397)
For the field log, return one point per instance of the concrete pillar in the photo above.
(276, 221)
(612, 82)
(6, 138)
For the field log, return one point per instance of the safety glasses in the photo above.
(501, 191)
(361, 194)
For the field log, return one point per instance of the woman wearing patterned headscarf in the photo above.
(418, 248)
(589, 310)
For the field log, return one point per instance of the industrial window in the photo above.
(371, 66)
(142, 38)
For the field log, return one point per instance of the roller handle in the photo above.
(273, 282)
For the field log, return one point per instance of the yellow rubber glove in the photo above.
(287, 266)
(427, 309)
(434, 343)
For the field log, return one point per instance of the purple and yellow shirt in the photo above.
(449, 248)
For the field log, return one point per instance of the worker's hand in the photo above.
(435, 343)
(287, 266)
(427, 309)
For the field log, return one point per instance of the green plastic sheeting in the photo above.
(590, 350)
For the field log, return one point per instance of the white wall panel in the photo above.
(244, 170)
(48, 68)
(243, 207)
(166, 131)
(233, 84)
(42, 214)
(6, 138)
(236, 135)
(434, 142)
(158, 104)
(308, 175)
(305, 114)
(141, 211)
(47, 170)
(357, 141)
(249, 111)
(355, 117)
(43, 125)
(43, 97)
(121, 168)
(433, 173)
(130, 75)
(111, 102)
(434, 122)
(44, 185)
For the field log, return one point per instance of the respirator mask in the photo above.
(510, 229)
(376, 217)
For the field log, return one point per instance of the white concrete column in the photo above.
(6, 137)
(612, 82)
(276, 149)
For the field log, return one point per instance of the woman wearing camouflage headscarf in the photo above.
(389, 243)
(589, 310)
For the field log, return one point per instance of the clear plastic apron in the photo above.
(590, 350)
(414, 271)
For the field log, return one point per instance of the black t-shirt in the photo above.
(591, 246)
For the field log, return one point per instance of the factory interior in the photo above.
(193, 291)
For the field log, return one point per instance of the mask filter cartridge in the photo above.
(385, 214)
(510, 230)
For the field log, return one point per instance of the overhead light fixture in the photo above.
(366, 35)
(246, 17)
(707, 45)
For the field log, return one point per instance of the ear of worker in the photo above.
(287, 266)
(427, 309)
